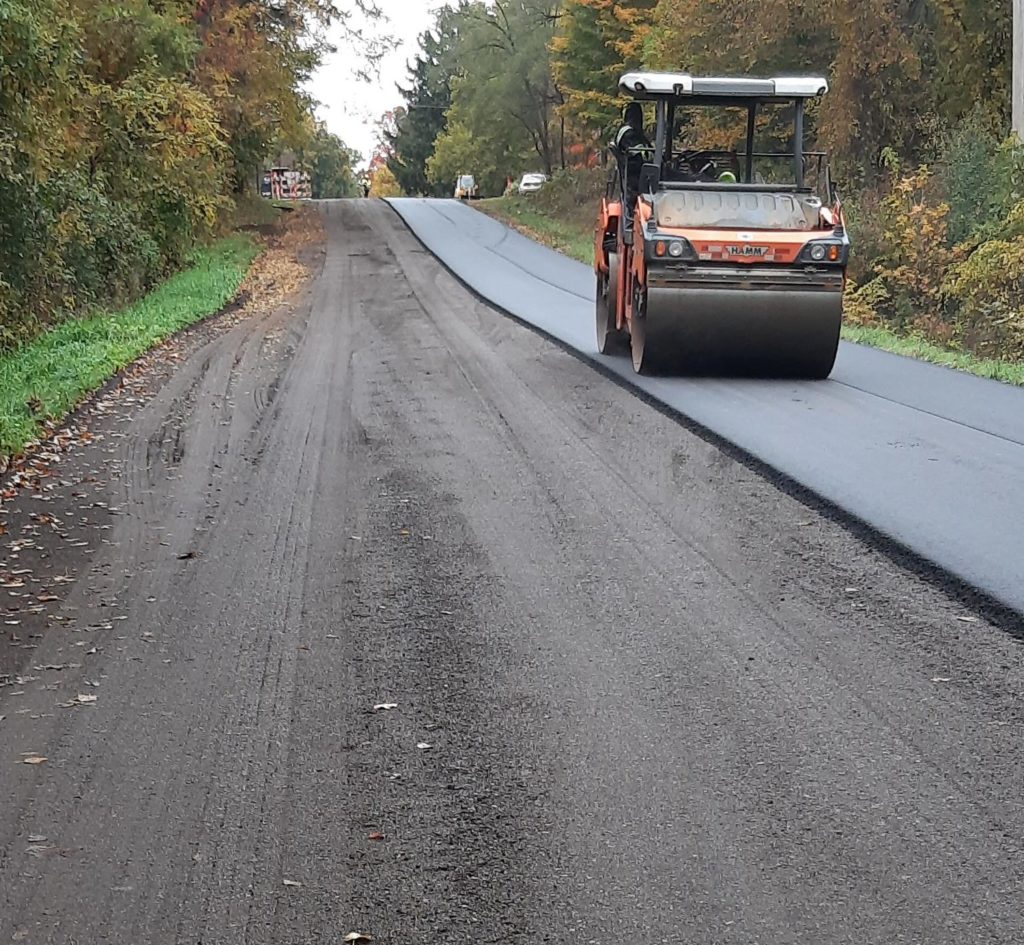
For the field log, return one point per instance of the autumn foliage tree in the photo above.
(124, 127)
(596, 41)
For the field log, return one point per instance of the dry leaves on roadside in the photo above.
(358, 937)
(280, 270)
(34, 760)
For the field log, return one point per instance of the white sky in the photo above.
(351, 107)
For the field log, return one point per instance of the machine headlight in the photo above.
(670, 247)
(825, 251)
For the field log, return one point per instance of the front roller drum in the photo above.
(739, 332)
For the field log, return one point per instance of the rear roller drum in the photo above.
(610, 340)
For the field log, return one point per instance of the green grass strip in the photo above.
(1009, 372)
(563, 235)
(570, 240)
(48, 376)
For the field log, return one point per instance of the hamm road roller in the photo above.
(720, 260)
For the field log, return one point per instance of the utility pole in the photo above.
(1018, 68)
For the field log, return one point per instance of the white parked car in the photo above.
(466, 187)
(531, 183)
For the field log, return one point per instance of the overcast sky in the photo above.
(350, 106)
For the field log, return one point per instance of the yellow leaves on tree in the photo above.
(596, 41)
(918, 256)
(383, 183)
(251, 77)
(871, 50)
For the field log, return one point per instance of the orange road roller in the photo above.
(720, 260)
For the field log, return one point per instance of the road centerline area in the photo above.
(434, 633)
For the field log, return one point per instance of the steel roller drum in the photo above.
(751, 332)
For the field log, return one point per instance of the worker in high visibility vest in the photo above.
(631, 136)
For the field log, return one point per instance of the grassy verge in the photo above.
(1009, 372)
(44, 379)
(576, 240)
(571, 237)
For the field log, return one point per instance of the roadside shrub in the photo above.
(914, 252)
(863, 303)
(963, 294)
(100, 227)
(866, 223)
(572, 194)
(981, 177)
(986, 293)
(65, 246)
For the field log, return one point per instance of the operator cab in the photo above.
(672, 164)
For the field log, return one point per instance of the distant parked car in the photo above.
(466, 188)
(531, 183)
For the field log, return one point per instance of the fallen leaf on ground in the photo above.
(291, 882)
(375, 836)
(967, 619)
(33, 760)
(358, 937)
(85, 699)
(423, 746)
(942, 678)
(385, 706)
(185, 556)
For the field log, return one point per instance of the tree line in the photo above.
(125, 128)
(516, 84)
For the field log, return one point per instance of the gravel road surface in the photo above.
(639, 694)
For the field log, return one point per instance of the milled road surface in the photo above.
(664, 702)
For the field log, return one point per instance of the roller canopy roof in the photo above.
(720, 89)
